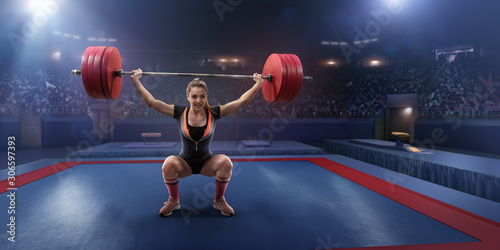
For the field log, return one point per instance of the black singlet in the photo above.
(196, 141)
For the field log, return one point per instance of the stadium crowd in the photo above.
(43, 93)
(465, 88)
(462, 88)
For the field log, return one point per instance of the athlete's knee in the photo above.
(171, 165)
(225, 163)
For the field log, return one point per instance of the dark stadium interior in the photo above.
(429, 69)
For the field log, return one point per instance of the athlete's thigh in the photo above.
(214, 163)
(181, 166)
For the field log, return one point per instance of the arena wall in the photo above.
(482, 135)
(10, 126)
(61, 131)
(230, 129)
(466, 134)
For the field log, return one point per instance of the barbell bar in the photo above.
(101, 72)
(121, 73)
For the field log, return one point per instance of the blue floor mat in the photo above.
(278, 204)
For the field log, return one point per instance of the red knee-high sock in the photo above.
(173, 188)
(220, 186)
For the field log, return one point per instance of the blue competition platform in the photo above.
(385, 145)
(248, 148)
(471, 174)
(149, 145)
(255, 143)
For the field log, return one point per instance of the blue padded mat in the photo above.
(279, 205)
(150, 144)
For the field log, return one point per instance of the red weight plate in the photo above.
(286, 74)
(97, 71)
(106, 86)
(292, 76)
(274, 67)
(298, 79)
(300, 75)
(294, 82)
(95, 85)
(84, 72)
(90, 71)
(110, 63)
(284, 78)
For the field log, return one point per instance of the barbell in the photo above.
(101, 72)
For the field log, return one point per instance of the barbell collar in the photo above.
(307, 79)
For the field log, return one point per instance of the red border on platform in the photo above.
(483, 229)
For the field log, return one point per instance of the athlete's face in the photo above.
(197, 97)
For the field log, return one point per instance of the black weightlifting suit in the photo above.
(196, 140)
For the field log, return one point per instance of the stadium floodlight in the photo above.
(56, 55)
(392, 3)
(32, 5)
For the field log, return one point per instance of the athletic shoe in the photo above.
(223, 207)
(170, 206)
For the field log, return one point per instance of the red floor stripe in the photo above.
(34, 175)
(483, 229)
